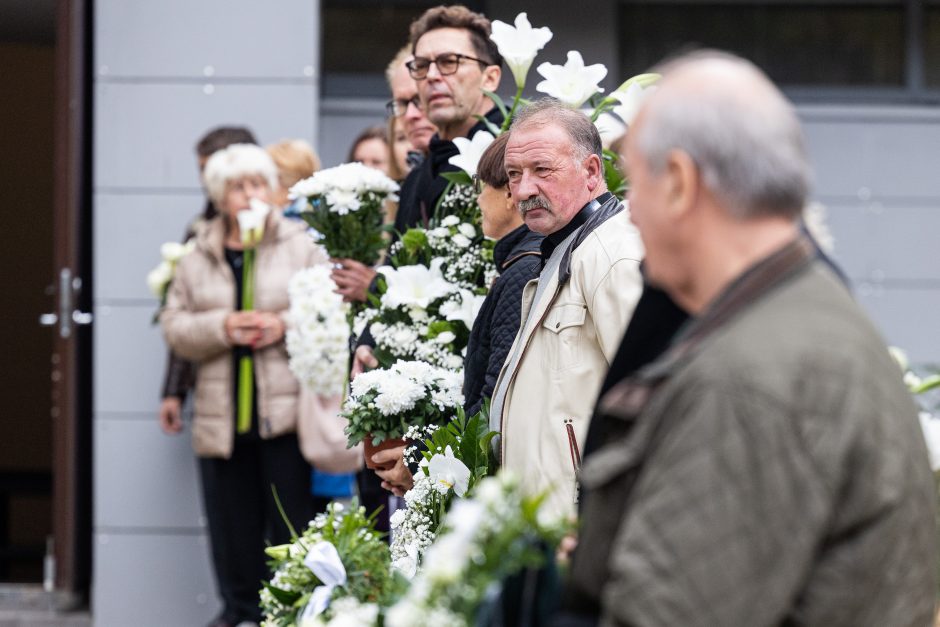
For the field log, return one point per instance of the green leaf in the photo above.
(492, 128)
(285, 597)
(497, 101)
(643, 80)
(459, 177)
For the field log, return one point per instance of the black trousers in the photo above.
(243, 517)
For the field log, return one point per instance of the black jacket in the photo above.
(424, 185)
(518, 260)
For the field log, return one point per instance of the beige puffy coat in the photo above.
(567, 348)
(201, 296)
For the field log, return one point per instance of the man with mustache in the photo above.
(575, 313)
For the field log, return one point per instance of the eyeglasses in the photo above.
(477, 184)
(446, 63)
(398, 107)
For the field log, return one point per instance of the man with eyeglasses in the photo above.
(405, 104)
(454, 60)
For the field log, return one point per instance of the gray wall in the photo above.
(165, 73)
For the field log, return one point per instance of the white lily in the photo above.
(631, 99)
(470, 151)
(519, 44)
(465, 308)
(415, 286)
(158, 278)
(609, 128)
(449, 473)
(572, 83)
(251, 222)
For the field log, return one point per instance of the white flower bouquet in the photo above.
(495, 533)
(335, 573)
(430, 296)
(318, 340)
(347, 209)
(455, 459)
(384, 403)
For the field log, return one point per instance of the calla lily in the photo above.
(470, 151)
(417, 285)
(158, 278)
(251, 222)
(449, 473)
(519, 45)
(572, 83)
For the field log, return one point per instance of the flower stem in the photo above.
(246, 376)
(512, 111)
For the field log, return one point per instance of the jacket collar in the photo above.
(596, 212)
(441, 150)
(515, 243)
(627, 399)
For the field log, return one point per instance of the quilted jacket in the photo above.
(518, 260)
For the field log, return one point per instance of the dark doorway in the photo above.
(27, 59)
(45, 416)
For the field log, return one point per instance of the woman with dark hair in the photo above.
(371, 148)
(518, 260)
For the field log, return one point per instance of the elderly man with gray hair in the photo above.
(574, 314)
(768, 468)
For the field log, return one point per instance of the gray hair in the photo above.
(235, 162)
(747, 143)
(584, 136)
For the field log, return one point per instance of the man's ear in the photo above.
(683, 182)
(491, 76)
(594, 170)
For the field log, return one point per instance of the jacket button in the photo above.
(557, 324)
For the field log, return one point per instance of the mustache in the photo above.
(538, 202)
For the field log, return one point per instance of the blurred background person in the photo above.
(203, 322)
(295, 160)
(371, 148)
(399, 148)
(178, 379)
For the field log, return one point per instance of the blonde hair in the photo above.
(397, 61)
(235, 162)
(295, 160)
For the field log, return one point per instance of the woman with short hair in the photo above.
(518, 259)
(242, 464)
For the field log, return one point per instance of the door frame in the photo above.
(71, 360)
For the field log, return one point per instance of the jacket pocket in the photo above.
(564, 324)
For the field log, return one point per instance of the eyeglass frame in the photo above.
(394, 103)
(458, 57)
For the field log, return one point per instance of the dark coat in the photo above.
(424, 185)
(518, 260)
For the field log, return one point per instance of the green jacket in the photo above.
(768, 469)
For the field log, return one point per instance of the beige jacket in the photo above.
(201, 295)
(568, 345)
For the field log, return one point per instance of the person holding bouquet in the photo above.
(225, 312)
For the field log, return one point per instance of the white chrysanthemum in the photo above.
(318, 342)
